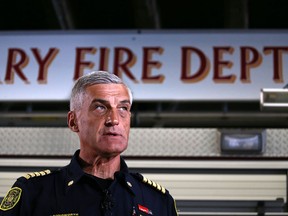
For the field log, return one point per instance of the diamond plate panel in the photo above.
(152, 142)
(37, 141)
(277, 142)
(172, 142)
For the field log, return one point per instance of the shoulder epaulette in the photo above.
(151, 183)
(37, 174)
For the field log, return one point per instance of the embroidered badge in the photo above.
(11, 199)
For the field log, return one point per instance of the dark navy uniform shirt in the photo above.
(71, 192)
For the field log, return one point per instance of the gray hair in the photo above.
(92, 78)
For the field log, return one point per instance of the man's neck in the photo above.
(101, 167)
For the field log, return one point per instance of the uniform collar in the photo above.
(75, 173)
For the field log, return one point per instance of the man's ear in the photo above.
(72, 121)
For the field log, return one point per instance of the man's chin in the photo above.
(116, 150)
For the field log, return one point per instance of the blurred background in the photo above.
(175, 143)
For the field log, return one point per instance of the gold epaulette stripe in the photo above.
(36, 174)
(154, 184)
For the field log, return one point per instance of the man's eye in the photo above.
(123, 108)
(99, 107)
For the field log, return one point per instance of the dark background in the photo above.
(143, 14)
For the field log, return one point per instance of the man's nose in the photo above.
(112, 118)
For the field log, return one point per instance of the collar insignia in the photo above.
(70, 183)
(129, 184)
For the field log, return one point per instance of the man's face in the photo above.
(103, 121)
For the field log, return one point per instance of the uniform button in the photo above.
(129, 184)
(70, 183)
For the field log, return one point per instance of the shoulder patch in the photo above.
(36, 174)
(11, 198)
(151, 183)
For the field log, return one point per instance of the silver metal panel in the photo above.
(173, 142)
(37, 141)
(274, 99)
(153, 142)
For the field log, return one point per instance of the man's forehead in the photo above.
(108, 90)
(108, 87)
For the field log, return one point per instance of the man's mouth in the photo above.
(111, 134)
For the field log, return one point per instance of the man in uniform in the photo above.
(97, 180)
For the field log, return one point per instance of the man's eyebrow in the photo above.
(99, 100)
(125, 101)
